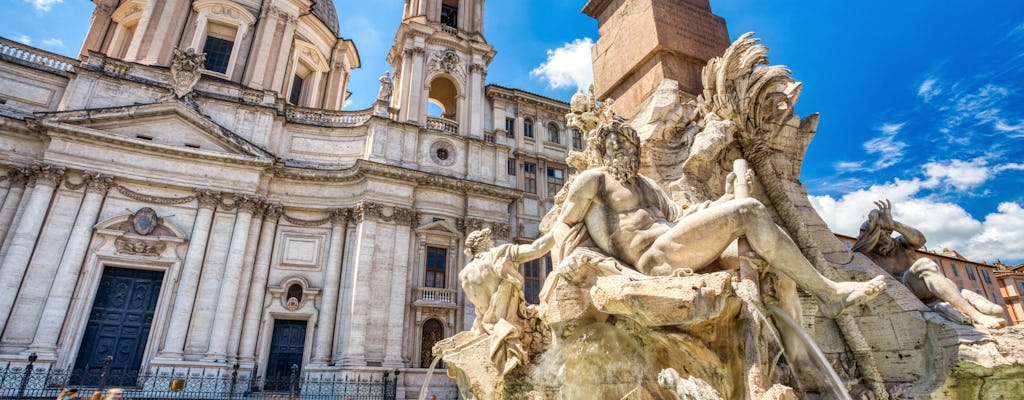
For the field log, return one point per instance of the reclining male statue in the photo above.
(629, 217)
(921, 275)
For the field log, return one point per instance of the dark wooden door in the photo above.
(118, 327)
(286, 346)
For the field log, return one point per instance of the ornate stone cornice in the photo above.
(364, 168)
(414, 50)
(498, 230)
(273, 211)
(98, 183)
(208, 198)
(376, 212)
(45, 174)
(340, 216)
(248, 204)
(18, 176)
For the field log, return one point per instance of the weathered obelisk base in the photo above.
(644, 41)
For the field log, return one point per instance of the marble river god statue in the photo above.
(898, 256)
(688, 264)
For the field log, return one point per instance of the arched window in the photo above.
(553, 135)
(433, 332)
(220, 27)
(309, 69)
(527, 128)
(294, 292)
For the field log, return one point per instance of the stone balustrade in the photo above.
(449, 30)
(327, 118)
(36, 56)
(434, 297)
(443, 125)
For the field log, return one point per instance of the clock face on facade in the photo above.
(442, 153)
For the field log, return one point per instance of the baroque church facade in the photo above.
(167, 210)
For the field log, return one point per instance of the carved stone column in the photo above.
(258, 289)
(181, 313)
(25, 236)
(332, 285)
(229, 283)
(56, 308)
(9, 208)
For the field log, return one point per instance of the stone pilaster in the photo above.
(188, 282)
(42, 269)
(258, 289)
(358, 282)
(332, 284)
(59, 298)
(25, 236)
(244, 284)
(396, 306)
(9, 208)
(229, 283)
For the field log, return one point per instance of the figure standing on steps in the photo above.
(922, 276)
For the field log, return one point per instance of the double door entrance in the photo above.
(116, 335)
(286, 346)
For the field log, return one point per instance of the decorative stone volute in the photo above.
(208, 198)
(45, 174)
(98, 183)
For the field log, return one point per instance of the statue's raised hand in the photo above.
(885, 220)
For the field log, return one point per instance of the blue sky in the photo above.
(922, 102)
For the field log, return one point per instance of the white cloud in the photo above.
(1012, 130)
(1008, 167)
(347, 103)
(961, 175)
(23, 38)
(568, 66)
(54, 43)
(944, 223)
(888, 149)
(848, 166)
(44, 5)
(996, 240)
(928, 89)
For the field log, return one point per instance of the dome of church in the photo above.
(324, 9)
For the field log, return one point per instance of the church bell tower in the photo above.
(440, 57)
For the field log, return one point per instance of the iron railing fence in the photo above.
(27, 382)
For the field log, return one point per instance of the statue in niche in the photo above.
(185, 72)
(898, 256)
(386, 87)
(494, 286)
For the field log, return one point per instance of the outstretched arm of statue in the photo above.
(913, 237)
(535, 250)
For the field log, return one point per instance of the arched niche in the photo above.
(445, 95)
